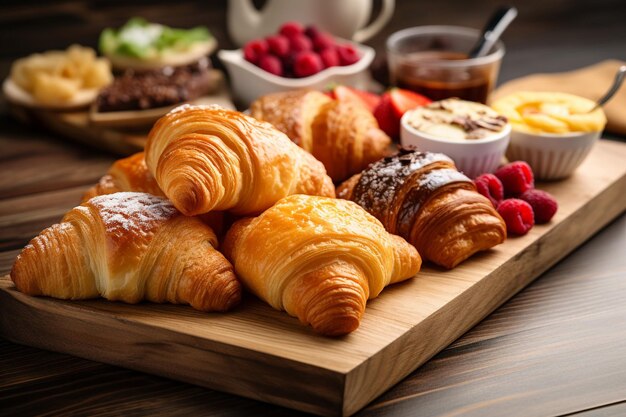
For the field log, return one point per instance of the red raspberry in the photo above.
(518, 215)
(278, 45)
(323, 41)
(300, 43)
(291, 29)
(254, 50)
(271, 64)
(348, 54)
(544, 204)
(490, 186)
(329, 57)
(307, 63)
(516, 178)
(312, 31)
(288, 64)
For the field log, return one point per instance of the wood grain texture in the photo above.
(608, 410)
(31, 162)
(544, 353)
(111, 131)
(513, 353)
(484, 373)
(264, 354)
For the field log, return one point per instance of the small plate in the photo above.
(173, 60)
(17, 95)
(217, 94)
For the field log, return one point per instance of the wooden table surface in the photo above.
(557, 348)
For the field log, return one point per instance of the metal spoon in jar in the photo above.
(494, 28)
(617, 82)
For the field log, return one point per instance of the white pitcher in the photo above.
(343, 18)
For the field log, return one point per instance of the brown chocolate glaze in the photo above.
(395, 188)
(140, 90)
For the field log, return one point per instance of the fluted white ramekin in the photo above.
(472, 156)
(551, 156)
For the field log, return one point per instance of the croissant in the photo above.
(132, 174)
(126, 174)
(343, 135)
(206, 158)
(128, 247)
(319, 259)
(423, 198)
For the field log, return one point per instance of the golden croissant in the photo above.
(423, 198)
(343, 135)
(206, 158)
(126, 174)
(319, 259)
(128, 247)
(132, 174)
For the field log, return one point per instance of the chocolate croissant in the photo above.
(319, 259)
(128, 247)
(206, 158)
(423, 198)
(343, 135)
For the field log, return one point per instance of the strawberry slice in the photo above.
(405, 100)
(344, 93)
(386, 117)
(393, 104)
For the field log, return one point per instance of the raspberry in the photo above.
(288, 64)
(518, 215)
(271, 64)
(291, 29)
(490, 186)
(329, 57)
(516, 178)
(323, 41)
(307, 63)
(312, 31)
(544, 204)
(300, 43)
(348, 54)
(278, 45)
(254, 50)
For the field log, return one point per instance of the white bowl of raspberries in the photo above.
(296, 57)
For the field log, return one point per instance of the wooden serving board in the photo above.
(123, 133)
(264, 354)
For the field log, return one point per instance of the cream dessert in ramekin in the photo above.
(472, 134)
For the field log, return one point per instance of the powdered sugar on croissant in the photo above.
(128, 247)
(422, 197)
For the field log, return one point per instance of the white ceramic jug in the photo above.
(343, 18)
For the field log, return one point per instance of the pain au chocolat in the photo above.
(422, 197)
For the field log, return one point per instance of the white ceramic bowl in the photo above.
(472, 157)
(551, 156)
(250, 82)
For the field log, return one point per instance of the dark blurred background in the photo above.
(548, 35)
